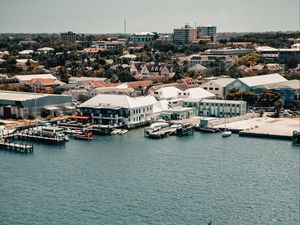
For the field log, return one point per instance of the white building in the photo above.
(27, 78)
(109, 45)
(45, 50)
(166, 93)
(267, 51)
(26, 52)
(119, 110)
(195, 93)
(217, 108)
(23, 62)
(208, 60)
(217, 86)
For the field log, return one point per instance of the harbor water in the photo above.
(130, 179)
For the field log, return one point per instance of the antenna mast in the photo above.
(124, 26)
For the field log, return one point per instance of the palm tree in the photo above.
(278, 105)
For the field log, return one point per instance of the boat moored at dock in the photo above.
(84, 136)
(185, 129)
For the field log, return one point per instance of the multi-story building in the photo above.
(228, 51)
(287, 54)
(121, 110)
(217, 86)
(185, 35)
(208, 60)
(207, 30)
(68, 37)
(267, 52)
(217, 108)
(142, 37)
(109, 45)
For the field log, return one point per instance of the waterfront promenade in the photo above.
(265, 125)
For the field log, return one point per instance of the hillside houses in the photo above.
(151, 69)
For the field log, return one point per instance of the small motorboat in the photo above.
(123, 131)
(84, 136)
(116, 131)
(226, 133)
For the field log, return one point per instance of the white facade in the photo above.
(217, 108)
(166, 93)
(119, 110)
(26, 78)
(109, 45)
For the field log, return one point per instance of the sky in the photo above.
(107, 16)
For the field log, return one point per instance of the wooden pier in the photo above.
(16, 147)
(37, 138)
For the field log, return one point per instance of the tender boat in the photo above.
(226, 133)
(84, 136)
(116, 131)
(123, 131)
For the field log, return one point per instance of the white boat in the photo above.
(226, 133)
(123, 131)
(155, 127)
(116, 131)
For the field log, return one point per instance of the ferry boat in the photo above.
(296, 137)
(50, 132)
(185, 129)
(84, 136)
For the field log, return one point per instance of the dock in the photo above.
(42, 139)
(265, 135)
(16, 147)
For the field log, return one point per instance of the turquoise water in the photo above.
(133, 180)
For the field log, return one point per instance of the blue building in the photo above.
(289, 90)
(22, 105)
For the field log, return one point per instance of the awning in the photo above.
(79, 117)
